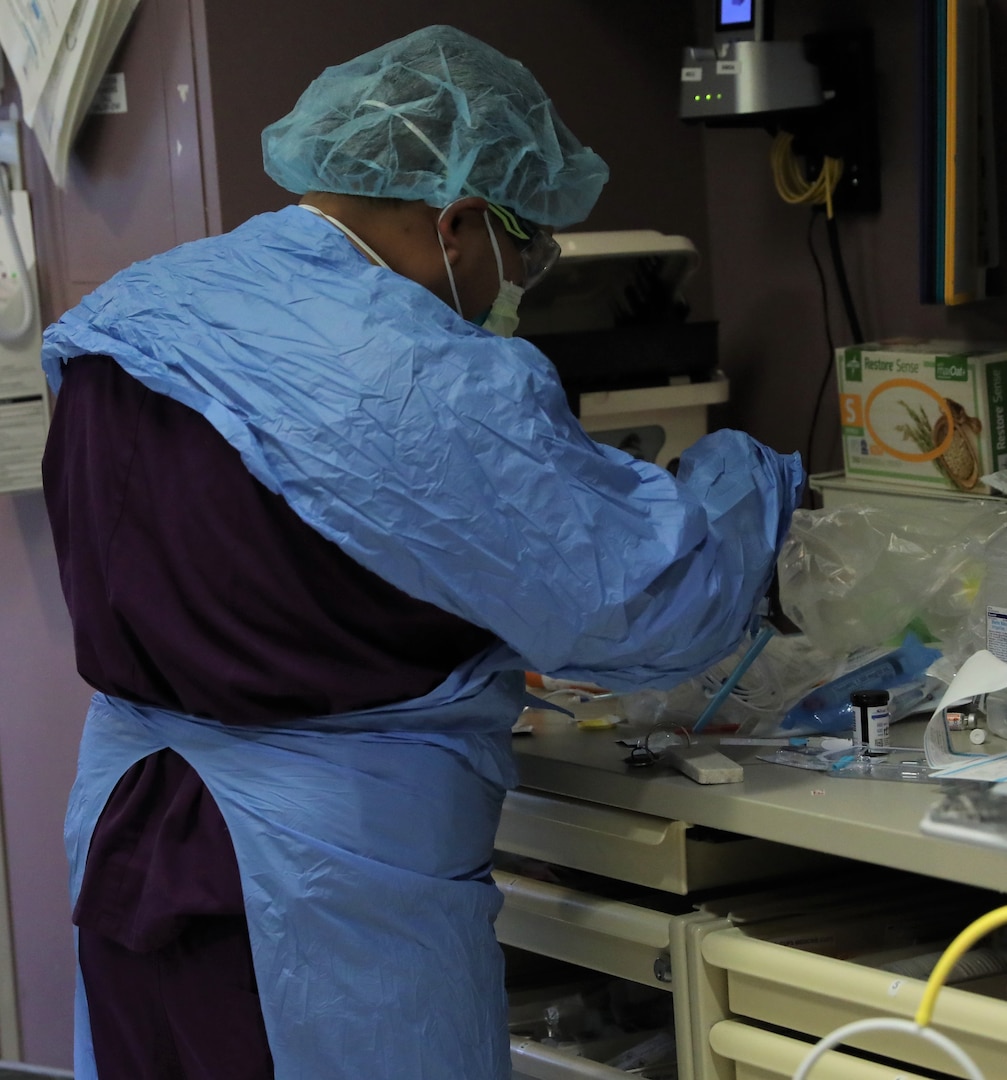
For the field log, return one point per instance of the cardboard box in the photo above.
(924, 414)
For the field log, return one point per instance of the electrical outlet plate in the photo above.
(846, 126)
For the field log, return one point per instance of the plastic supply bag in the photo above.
(857, 577)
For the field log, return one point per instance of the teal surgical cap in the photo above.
(433, 117)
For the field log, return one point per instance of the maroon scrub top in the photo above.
(192, 587)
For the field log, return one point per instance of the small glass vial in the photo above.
(960, 719)
(553, 1033)
(555, 1037)
(872, 718)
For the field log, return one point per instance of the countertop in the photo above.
(875, 821)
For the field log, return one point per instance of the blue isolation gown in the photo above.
(445, 460)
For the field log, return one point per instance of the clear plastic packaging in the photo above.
(858, 576)
(783, 672)
(827, 708)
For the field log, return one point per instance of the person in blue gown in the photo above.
(317, 510)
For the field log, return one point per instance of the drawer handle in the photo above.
(662, 968)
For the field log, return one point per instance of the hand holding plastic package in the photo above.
(857, 576)
(446, 459)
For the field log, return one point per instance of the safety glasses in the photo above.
(539, 251)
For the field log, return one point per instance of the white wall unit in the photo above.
(679, 411)
(10, 1024)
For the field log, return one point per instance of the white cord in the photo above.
(908, 1027)
(10, 337)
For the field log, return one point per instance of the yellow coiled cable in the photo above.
(791, 184)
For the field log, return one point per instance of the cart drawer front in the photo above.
(639, 848)
(605, 935)
(764, 1055)
(817, 994)
(621, 844)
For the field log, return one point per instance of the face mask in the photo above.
(502, 318)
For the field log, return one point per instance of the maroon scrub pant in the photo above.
(187, 1011)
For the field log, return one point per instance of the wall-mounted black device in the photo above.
(821, 89)
(743, 72)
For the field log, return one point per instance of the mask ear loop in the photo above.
(447, 263)
(496, 247)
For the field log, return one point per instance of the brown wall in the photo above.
(765, 289)
(613, 71)
(169, 170)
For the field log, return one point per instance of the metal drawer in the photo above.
(654, 948)
(764, 1055)
(604, 935)
(816, 994)
(639, 848)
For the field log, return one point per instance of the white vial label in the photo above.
(996, 632)
(875, 721)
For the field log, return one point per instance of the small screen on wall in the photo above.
(735, 14)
